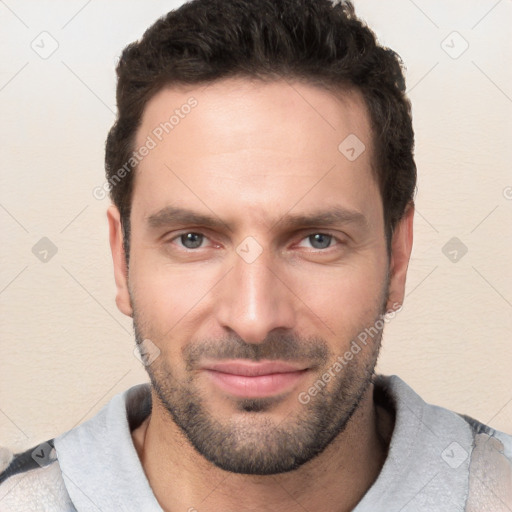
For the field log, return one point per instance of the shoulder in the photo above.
(490, 471)
(32, 481)
(478, 453)
(482, 431)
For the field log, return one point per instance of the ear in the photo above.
(401, 246)
(118, 256)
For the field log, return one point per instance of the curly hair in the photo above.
(320, 42)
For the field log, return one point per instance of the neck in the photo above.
(182, 479)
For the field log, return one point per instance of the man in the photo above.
(262, 176)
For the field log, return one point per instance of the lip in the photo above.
(253, 380)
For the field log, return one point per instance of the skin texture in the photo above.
(250, 155)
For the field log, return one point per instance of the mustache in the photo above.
(276, 346)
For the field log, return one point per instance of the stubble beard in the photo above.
(251, 441)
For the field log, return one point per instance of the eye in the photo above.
(319, 240)
(191, 240)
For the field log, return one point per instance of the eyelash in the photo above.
(309, 234)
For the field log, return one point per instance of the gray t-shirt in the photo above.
(437, 461)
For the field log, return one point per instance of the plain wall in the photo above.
(65, 348)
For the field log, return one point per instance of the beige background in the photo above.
(65, 349)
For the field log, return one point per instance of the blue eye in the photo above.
(320, 240)
(191, 240)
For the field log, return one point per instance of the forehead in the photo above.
(238, 106)
(263, 144)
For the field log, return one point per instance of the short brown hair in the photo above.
(321, 42)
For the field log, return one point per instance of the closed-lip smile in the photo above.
(251, 379)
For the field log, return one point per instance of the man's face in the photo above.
(257, 256)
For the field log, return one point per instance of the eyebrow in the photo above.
(334, 216)
(171, 215)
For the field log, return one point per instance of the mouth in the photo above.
(247, 379)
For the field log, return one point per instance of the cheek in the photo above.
(345, 298)
(168, 297)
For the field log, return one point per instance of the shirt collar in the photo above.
(101, 468)
(99, 463)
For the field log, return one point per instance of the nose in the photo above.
(253, 299)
